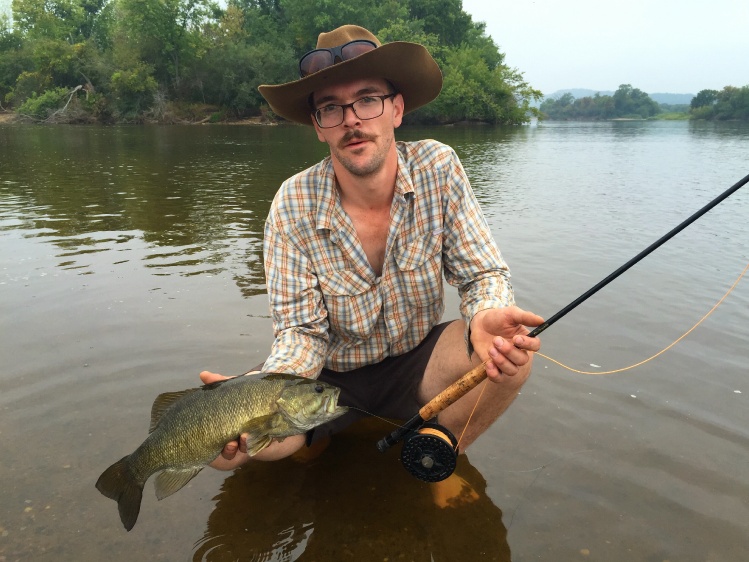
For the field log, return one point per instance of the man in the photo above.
(356, 248)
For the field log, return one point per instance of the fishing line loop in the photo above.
(662, 351)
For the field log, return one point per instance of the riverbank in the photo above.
(10, 118)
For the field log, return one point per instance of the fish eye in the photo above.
(319, 388)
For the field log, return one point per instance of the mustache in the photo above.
(354, 135)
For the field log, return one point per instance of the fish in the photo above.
(189, 429)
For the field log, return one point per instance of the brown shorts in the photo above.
(387, 389)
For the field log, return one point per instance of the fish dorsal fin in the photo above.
(172, 479)
(163, 402)
(282, 377)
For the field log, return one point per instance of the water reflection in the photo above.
(485, 152)
(181, 204)
(351, 503)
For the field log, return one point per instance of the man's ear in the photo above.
(398, 108)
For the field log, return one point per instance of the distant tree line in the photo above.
(161, 60)
(631, 103)
(625, 102)
(730, 103)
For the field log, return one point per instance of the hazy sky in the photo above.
(654, 45)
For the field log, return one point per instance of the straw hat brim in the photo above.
(407, 66)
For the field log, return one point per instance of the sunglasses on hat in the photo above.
(318, 59)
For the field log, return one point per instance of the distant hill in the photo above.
(670, 99)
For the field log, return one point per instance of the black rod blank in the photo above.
(655, 245)
(417, 421)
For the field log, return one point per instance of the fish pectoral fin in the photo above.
(255, 444)
(259, 425)
(257, 430)
(163, 402)
(172, 479)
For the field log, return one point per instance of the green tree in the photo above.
(560, 108)
(235, 65)
(413, 31)
(626, 102)
(473, 91)
(13, 61)
(53, 45)
(704, 98)
(306, 19)
(443, 18)
(50, 19)
(632, 102)
(730, 103)
(162, 33)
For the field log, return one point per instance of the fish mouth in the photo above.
(331, 405)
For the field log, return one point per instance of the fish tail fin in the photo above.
(118, 483)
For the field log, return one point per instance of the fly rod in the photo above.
(430, 451)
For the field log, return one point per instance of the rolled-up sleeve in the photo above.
(299, 318)
(473, 262)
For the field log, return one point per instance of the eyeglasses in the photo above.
(317, 60)
(368, 107)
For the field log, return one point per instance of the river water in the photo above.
(130, 260)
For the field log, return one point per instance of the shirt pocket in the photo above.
(352, 303)
(420, 269)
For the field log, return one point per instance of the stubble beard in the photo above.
(373, 165)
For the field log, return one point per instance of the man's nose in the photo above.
(349, 115)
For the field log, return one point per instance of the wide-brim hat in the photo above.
(407, 66)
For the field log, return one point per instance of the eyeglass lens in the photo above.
(369, 107)
(319, 59)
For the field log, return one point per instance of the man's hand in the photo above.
(499, 334)
(234, 453)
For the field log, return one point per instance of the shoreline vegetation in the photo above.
(186, 61)
(628, 103)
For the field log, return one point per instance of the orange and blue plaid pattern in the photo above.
(330, 309)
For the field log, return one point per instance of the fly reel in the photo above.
(431, 453)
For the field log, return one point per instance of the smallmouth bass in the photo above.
(190, 428)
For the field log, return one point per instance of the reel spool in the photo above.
(431, 453)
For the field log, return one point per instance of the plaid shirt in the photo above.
(328, 306)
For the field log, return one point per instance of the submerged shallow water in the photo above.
(131, 260)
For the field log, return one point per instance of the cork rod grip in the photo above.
(456, 390)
